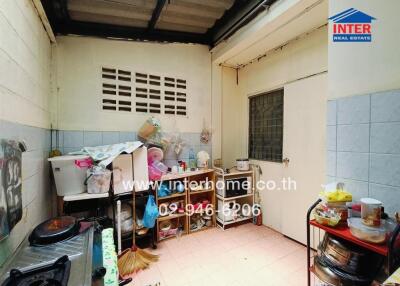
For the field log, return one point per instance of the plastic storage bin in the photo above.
(70, 173)
(368, 233)
(371, 211)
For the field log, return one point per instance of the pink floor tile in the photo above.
(243, 256)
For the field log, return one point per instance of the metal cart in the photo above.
(387, 250)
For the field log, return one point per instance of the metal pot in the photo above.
(349, 257)
(336, 276)
(242, 164)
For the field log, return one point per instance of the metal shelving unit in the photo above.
(136, 199)
(245, 199)
(387, 250)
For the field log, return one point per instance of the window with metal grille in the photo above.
(116, 90)
(266, 126)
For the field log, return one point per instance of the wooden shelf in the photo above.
(187, 197)
(169, 217)
(178, 195)
(234, 198)
(170, 236)
(200, 192)
(169, 177)
(344, 232)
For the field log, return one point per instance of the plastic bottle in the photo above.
(192, 159)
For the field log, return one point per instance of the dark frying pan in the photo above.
(54, 230)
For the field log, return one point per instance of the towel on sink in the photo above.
(107, 153)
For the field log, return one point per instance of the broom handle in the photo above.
(119, 226)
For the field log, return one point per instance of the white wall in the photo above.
(79, 61)
(25, 54)
(361, 68)
(216, 106)
(232, 130)
(297, 60)
(364, 78)
(25, 65)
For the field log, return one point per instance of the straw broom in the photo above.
(133, 259)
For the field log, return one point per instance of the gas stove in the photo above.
(56, 274)
(63, 263)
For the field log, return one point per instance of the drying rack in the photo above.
(387, 250)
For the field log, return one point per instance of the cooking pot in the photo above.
(242, 164)
(349, 257)
(335, 276)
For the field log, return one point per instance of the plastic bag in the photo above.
(149, 128)
(98, 180)
(163, 190)
(150, 133)
(150, 213)
(335, 192)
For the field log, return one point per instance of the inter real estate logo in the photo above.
(352, 26)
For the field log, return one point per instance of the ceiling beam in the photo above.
(156, 14)
(123, 32)
(61, 9)
(239, 14)
(45, 21)
(57, 13)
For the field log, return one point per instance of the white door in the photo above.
(304, 146)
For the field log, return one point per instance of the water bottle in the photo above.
(192, 159)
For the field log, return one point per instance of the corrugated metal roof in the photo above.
(193, 16)
(198, 21)
(117, 12)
